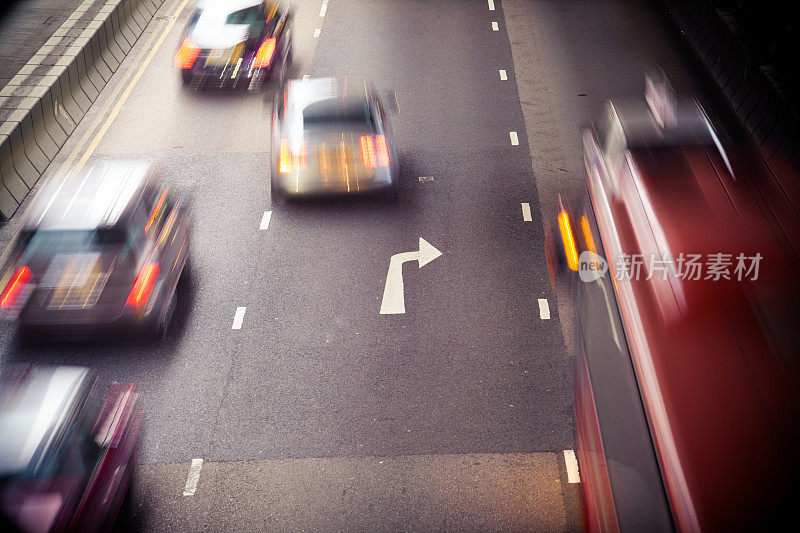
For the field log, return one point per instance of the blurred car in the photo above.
(99, 250)
(332, 136)
(235, 43)
(67, 452)
(686, 382)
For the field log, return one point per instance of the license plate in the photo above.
(338, 161)
(219, 57)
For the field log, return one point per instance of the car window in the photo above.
(249, 15)
(335, 113)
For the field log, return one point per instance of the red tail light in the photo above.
(265, 52)
(383, 150)
(12, 291)
(286, 157)
(187, 53)
(143, 285)
(367, 151)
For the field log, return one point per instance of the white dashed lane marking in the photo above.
(573, 474)
(544, 309)
(265, 220)
(238, 318)
(317, 32)
(323, 9)
(514, 138)
(193, 477)
(491, 5)
(503, 75)
(526, 212)
(495, 27)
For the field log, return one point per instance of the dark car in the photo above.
(99, 250)
(687, 376)
(67, 451)
(235, 43)
(332, 136)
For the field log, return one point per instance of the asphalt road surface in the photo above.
(319, 413)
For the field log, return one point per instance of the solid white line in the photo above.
(317, 32)
(573, 474)
(265, 220)
(544, 309)
(514, 138)
(238, 318)
(491, 5)
(193, 477)
(526, 212)
(503, 75)
(495, 27)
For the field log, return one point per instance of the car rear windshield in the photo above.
(39, 243)
(336, 113)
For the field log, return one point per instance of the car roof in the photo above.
(95, 196)
(227, 6)
(642, 129)
(36, 403)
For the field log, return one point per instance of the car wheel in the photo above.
(392, 193)
(166, 318)
(276, 193)
(186, 77)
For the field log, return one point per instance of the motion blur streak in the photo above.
(568, 240)
(187, 54)
(15, 286)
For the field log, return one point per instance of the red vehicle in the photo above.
(67, 453)
(687, 396)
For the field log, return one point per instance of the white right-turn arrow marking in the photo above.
(393, 295)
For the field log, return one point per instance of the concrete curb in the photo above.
(751, 92)
(34, 133)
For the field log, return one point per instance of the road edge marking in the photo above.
(526, 212)
(571, 462)
(544, 309)
(266, 217)
(193, 477)
(238, 317)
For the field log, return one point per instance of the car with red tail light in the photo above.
(687, 380)
(100, 250)
(68, 450)
(333, 136)
(235, 43)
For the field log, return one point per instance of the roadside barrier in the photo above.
(749, 89)
(35, 131)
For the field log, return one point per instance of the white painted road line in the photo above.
(503, 75)
(323, 9)
(495, 27)
(193, 477)
(491, 5)
(238, 318)
(573, 474)
(265, 220)
(317, 32)
(544, 309)
(514, 138)
(526, 212)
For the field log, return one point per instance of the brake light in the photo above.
(383, 150)
(187, 53)
(286, 157)
(12, 291)
(367, 151)
(143, 285)
(569, 241)
(265, 52)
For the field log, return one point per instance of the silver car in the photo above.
(331, 137)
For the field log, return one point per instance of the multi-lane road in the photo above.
(308, 407)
